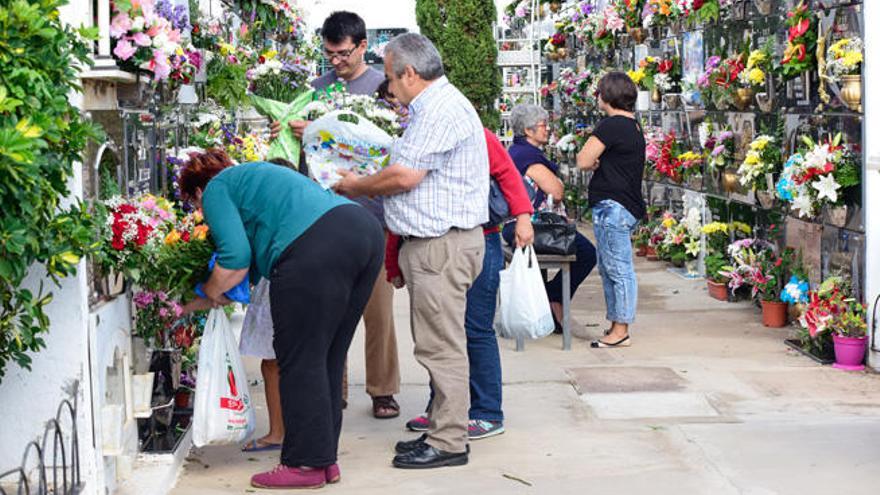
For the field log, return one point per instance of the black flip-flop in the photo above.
(598, 344)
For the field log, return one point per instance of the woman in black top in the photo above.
(616, 155)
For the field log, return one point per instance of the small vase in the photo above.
(717, 290)
(765, 102)
(851, 91)
(774, 314)
(765, 198)
(643, 101)
(729, 181)
(743, 98)
(656, 97)
(721, 103)
(639, 35)
(849, 352)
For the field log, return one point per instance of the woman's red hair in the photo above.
(200, 169)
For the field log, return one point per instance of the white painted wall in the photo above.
(872, 172)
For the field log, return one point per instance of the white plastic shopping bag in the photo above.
(524, 310)
(344, 140)
(223, 411)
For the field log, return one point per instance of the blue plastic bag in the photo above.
(240, 293)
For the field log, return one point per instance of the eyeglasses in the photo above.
(341, 54)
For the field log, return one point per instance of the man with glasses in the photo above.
(345, 44)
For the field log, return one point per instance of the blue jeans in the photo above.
(585, 260)
(613, 226)
(482, 345)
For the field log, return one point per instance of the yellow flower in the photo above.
(752, 158)
(689, 156)
(741, 227)
(270, 54)
(226, 49)
(172, 238)
(852, 59)
(837, 49)
(650, 59)
(759, 144)
(668, 222)
(714, 228)
(756, 58)
(197, 216)
(756, 76)
(636, 75)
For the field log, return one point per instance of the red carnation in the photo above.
(664, 66)
(698, 4)
(185, 236)
(117, 243)
(262, 59)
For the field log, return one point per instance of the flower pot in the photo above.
(650, 251)
(851, 91)
(764, 101)
(743, 98)
(181, 398)
(643, 101)
(849, 352)
(639, 35)
(642, 251)
(717, 290)
(774, 314)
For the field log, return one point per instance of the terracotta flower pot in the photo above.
(717, 290)
(774, 313)
(641, 251)
(849, 352)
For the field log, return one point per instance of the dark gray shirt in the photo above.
(365, 84)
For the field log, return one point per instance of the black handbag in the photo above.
(499, 210)
(554, 234)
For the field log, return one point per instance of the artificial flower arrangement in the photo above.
(132, 231)
(675, 162)
(554, 47)
(241, 145)
(745, 256)
(655, 138)
(800, 48)
(702, 11)
(578, 88)
(664, 223)
(817, 175)
(718, 146)
(682, 238)
(832, 308)
(759, 64)
(844, 58)
(279, 19)
(719, 79)
(717, 238)
(658, 13)
(772, 270)
(517, 13)
(155, 317)
(149, 35)
(605, 25)
(336, 97)
(227, 68)
(763, 158)
(655, 72)
(631, 13)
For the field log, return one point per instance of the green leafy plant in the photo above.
(462, 32)
(227, 83)
(715, 264)
(41, 136)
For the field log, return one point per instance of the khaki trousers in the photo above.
(380, 346)
(438, 274)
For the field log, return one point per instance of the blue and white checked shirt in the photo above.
(444, 137)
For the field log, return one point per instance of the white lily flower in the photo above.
(827, 187)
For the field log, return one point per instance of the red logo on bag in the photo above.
(231, 404)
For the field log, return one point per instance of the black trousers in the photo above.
(319, 287)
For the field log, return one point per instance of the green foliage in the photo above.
(41, 136)
(462, 32)
(227, 83)
(716, 263)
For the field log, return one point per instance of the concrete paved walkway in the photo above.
(707, 401)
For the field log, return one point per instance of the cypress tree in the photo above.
(462, 32)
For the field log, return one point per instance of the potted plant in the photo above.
(641, 239)
(767, 278)
(717, 236)
(832, 309)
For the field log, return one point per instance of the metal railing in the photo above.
(65, 475)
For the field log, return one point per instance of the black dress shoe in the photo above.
(426, 457)
(405, 446)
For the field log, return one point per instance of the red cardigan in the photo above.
(502, 169)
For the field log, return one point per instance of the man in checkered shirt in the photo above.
(436, 190)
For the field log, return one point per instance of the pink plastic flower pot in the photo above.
(849, 352)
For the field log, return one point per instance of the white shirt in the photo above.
(446, 138)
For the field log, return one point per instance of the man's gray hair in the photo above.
(418, 52)
(526, 116)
